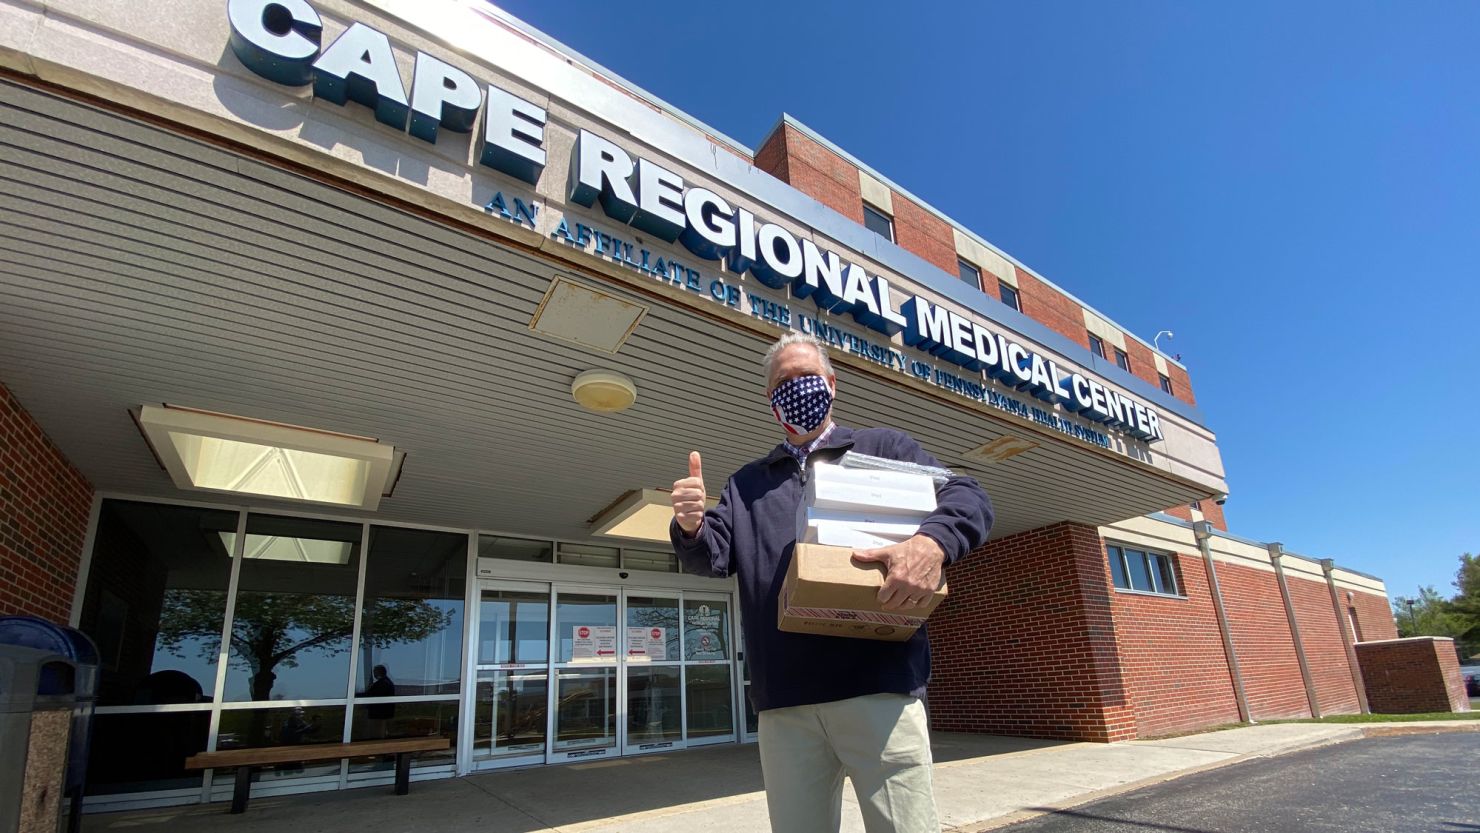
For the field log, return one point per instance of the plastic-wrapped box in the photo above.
(870, 491)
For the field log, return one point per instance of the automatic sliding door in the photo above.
(586, 688)
(654, 673)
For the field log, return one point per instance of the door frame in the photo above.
(551, 579)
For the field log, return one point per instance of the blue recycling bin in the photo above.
(31, 632)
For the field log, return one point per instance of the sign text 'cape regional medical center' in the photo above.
(281, 41)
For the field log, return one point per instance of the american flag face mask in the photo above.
(801, 404)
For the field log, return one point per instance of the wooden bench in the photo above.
(247, 760)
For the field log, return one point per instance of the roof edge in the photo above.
(788, 119)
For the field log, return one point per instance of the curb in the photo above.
(1354, 733)
(1392, 730)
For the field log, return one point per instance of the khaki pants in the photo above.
(880, 741)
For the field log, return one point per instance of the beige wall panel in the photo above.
(876, 193)
(18, 25)
(984, 257)
(1104, 329)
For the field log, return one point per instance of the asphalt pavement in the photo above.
(1411, 784)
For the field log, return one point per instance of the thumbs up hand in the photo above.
(688, 498)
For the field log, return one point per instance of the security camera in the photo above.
(622, 575)
(1221, 499)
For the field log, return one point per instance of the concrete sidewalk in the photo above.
(982, 782)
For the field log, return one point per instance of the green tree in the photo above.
(1466, 604)
(1427, 614)
(273, 629)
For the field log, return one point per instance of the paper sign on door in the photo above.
(590, 642)
(651, 643)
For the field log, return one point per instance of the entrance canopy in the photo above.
(141, 267)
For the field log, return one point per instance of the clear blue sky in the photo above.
(1293, 188)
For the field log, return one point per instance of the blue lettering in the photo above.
(525, 212)
(498, 203)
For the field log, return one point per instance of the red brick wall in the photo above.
(1143, 366)
(1412, 676)
(815, 171)
(1325, 653)
(925, 234)
(772, 158)
(1025, 643)
(1374, 615)
(1213, 514)
(1181, 384)
(1052, 308)
(1183, 512)
(44, 506)
(1261, 639)
(1171, 656)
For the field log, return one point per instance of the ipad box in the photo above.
(827, 593)
(870, 491)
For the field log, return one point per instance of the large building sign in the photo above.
(281, 41)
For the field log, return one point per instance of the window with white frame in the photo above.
(1142, 571)
(878, 222)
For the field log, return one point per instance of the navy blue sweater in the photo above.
(752, 533)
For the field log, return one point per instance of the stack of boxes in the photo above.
(826, 592)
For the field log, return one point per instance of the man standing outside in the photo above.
(828, 706)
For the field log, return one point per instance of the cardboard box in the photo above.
(826, 592)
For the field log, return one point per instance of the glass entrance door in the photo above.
(586, 665)
(574, 672)
(654, 673)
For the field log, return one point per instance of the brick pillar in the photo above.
(44, 506)
(1025, 645)
(1412, 676)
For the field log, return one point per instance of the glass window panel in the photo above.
(1166, 579)
(878, 222)
(514, 627)
(586, 555)
(291, 631)
(1122, 360)
(1096, 346)
(1166, 384)
(1140, 571)
(706, 629)
(381, 721)
(1117, 569)
(411, 630)
(512, 706)
(281, 726)
(587, 627)
(654, 703)
(663, 562)
(1010, 296)
(709, 707)
(652, 629)
(515, 549)
(586, 708)
(969, 274)
(139, 752)
(156, 601)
